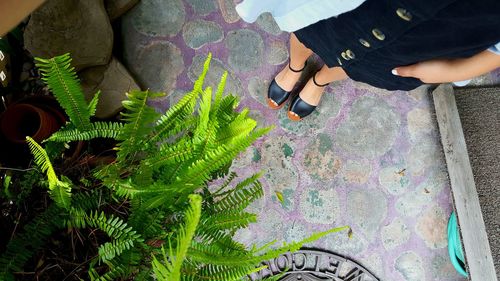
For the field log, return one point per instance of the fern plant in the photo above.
(175, 227)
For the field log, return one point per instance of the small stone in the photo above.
(257, 88)
(320, 160)
(412, 203)
(158, 65)
(432, 227)
(81, 28)
(272, 224)
(367, 209)
(267, 23)
(203, 7)
(200, 32)
(425, 153)
(217, 69)
(395, 234)
(370, 129)
(277, 53)
(158, 17)
(116, 8)
(356, 172)
(114, 81)
(320, 206)
(228, 11)
(295, 232)
(280, 174)
(394, 179)
(245, 236)
(410, 266)
(442, 269)
(420, 121)
(375, 264)
(419, 93)
(288, 203)
(246, 49)
(341, 243)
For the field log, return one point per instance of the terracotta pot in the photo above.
(21, 120)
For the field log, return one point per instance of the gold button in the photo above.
(364, 43)
(378, 34)
(350, 54)
(339, 61)
(404, 14)
(344, 55)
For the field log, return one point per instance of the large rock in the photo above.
(114, 81)
(79, 27)
(116, 8)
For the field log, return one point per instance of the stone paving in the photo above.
(367, 158)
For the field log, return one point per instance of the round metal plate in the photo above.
(313, 265)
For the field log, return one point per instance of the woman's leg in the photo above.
(287, 79)
(312, 93)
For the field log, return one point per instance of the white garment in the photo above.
(292, 15)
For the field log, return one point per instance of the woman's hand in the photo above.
(451, 70)
(432, 71)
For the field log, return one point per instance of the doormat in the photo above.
(313, 265)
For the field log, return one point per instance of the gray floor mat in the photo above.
(479, 110)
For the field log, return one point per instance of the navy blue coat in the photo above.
(378, 36)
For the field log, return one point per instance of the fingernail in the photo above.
(395, 71)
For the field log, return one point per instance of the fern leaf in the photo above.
(139, 117)
(59, 191)
(92, 107)
(43, 161)
(168, 124)
(240, 196)
(171, 268)
(61, 194)
(61, 79)
(220, 90)
(221, 273)
(169, 154)
(34, 235)
(216, 158)
(96, 130)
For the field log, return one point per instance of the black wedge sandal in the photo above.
(299, 108)
(276, 96)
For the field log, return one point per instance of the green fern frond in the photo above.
(61, 79)
(216, 158)
(170, 154)
(209, 254)
(228, 221)
(221, 273)
(110, 250)
(93, 103)
(97, 130)
(172, 263)
(239, 197)
(204, 113)
(138, 118)
(220, 90)
(61, 194)
(198, 84)
(43, 161)
(168, 124)
(34, 235)
(113, 226)
(60, 191)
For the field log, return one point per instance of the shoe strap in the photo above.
(316, 83)
(295, 70)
